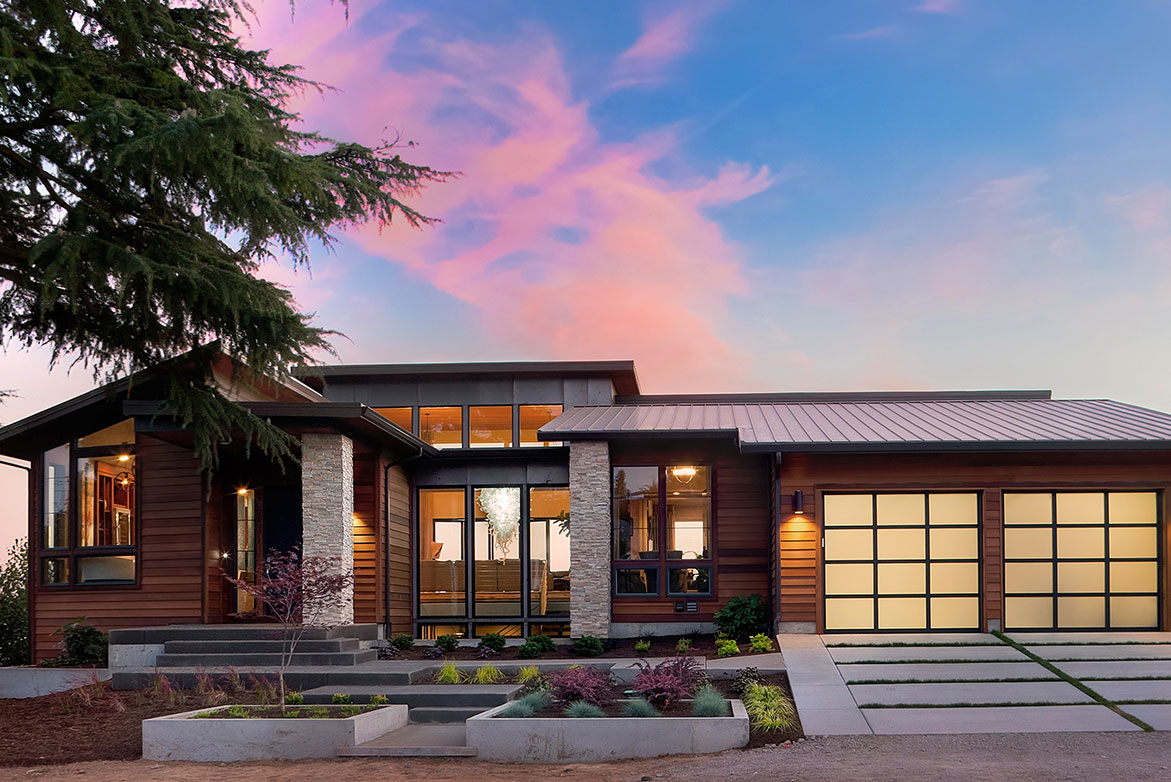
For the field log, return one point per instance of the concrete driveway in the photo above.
(975, 683)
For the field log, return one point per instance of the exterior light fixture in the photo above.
(799, 502)
(241, 492)
(124, 457)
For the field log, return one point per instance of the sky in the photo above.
(744, 195)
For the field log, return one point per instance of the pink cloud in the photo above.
(870, 34)
(566, 244)
(663, 39)
(1148, 210)
(938, 7)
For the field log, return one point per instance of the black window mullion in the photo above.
(874, 534)
(927, 560)
(1106, 554)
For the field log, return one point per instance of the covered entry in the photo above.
(907, 561)
(1081, 560)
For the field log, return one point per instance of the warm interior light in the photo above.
(124, 457)
(241, 492)
(125, 481)
(683, 474)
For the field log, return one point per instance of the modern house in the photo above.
(555, 497)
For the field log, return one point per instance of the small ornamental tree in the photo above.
(14, 605)
(295, 591)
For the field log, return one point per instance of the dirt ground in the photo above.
(1053, 756)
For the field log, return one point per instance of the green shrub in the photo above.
(709, 702)
(528, 673)
(379, 700)
(745, 677)
(518, 709)
(528, 650)
(760, 643)
(403, 641)
(726, 647)
(539, 699)
(683, 646)
(294, 699)
(583, 710)
(642, 646)
(448, 643)
(543, 643)
(81, 644)
(769, 709)
(341, 699)
(587, 646)
(448, 674)
(486, 674)
(493, 641)
(741, 616)
(14, 606)
(639, 707)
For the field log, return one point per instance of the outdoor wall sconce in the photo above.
(799, 502)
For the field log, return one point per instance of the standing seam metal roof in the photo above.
(842, 424)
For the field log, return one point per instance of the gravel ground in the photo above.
(1052, 756)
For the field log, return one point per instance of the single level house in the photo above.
(556, 498)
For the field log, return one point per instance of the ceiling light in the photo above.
(683, 474)
(124, 457)
(241, 492)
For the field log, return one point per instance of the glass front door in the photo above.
(245, 554)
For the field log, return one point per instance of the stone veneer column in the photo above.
(327, 512)
(589, 548)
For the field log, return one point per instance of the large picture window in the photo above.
(662, 514)
(442, 567)
(89, 530)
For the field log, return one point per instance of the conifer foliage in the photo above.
(148, 165)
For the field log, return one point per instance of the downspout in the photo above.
(386, 533)
(776, 547)
(28, 558)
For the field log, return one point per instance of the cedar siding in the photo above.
(398, 525)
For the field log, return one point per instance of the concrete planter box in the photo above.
(561, 739)
(29, 682)
(179, 737)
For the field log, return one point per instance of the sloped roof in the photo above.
(927, 424)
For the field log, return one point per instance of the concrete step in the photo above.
(478, 697)
(261, 646)
(432, 740)
(340, 676)
(444, 714)
(265, 658)
(237, 632)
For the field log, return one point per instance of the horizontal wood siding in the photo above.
(398, 525)
(988, 474)
(170, 555)
(367, 602)
(741, 532)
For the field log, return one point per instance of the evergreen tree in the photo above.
(149, 165)
(14, 647)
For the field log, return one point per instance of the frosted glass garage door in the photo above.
(902, 561)
(1081, 560)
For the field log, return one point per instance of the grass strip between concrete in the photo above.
(948, 681)
(1078, 683)
(1005, 705)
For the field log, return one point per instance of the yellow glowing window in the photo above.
(442, 427)
(490, 426)
(532, 418)
(399, 416)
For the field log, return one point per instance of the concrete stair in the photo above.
(223, 660)
(429, 703)
(415, 741)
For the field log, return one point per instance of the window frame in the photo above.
(73, 553)
(661, 564)
(465, 426)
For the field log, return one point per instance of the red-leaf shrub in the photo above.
(582, 684)
(670, 681)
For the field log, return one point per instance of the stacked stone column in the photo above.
(589, 549)
(327, 515)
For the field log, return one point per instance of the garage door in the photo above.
(901, 561)
(1081, 560)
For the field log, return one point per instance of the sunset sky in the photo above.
(746, 195)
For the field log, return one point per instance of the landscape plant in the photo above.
(81, 644)
(639, 707)
(726, 647)
(528, 673)
(448, 643)
(14, 641)
(709, 702)
(741, 617)
(294, 699)
(517, 709)
(579, 683)
(583, 710)
(744, 677)
(493, 641)
(642, 646)
(587, 646)
(760, 643)
(543, 643)
(528, 650)
(539, 699)
(295, 592)
(404, 642)
(683, 646)
(668, 682)
(769, 709)
(448, 674)
(486, 674)
(379, 700)
(341, 699)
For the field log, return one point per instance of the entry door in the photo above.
(902, 561)
(241, 546)
(1081, 560)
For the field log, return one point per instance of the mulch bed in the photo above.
(661, 646)
(90, 723)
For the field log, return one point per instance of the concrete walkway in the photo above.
(823, 700)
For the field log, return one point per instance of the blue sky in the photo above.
(747, 196)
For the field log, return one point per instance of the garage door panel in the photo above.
(902, 578)
(1025, 508)
(956, 578)
(857, 544)
(1028, 577)
(901, 543)
(849, 510)
(1133, 542)
(1134, 611)
(1136, 507)
(849, 579)
(955, 613)
(902, 613)
(849, 613)
(953, 509)
(1087, 543)
(901, 509)
(1028, 612)
(955, 544)
(1029, 543)
(1081, 508)
(1074, 577)
(1085, 612)
(1134, 576)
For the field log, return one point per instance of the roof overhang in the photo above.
(622, 373)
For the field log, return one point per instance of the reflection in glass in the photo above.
(689, 581)
(636, 581)
(245, 547)
(55, 571)
(105, 500)
(532, 418)
(441, 552)
(399, 416)
(55, 527)
(490, 427)
(549, 551)
(689, 512)
(106, 569)
(442, 427)
(497, 564)
(636, 512)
